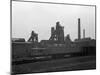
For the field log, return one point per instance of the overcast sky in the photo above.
(40, 17)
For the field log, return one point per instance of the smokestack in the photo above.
(83, 33)
(79, 29)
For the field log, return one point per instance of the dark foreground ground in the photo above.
(65, 64)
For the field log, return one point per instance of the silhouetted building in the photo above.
(33, 38)
(68, 41)
(57, 34)
(18, 40)
(56, 45)
(53, 34)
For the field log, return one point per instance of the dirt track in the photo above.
(66, 64)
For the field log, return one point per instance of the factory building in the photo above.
(57, 43)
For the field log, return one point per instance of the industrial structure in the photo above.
(57, 34)
(83, 33)
(56, 46)
(79, 29)
(33, 38)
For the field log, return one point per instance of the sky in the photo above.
(40, 17)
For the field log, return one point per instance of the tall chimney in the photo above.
(83, 33)
(79, 29)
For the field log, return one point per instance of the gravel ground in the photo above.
(66, 64)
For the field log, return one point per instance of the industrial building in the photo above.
(57, 43)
